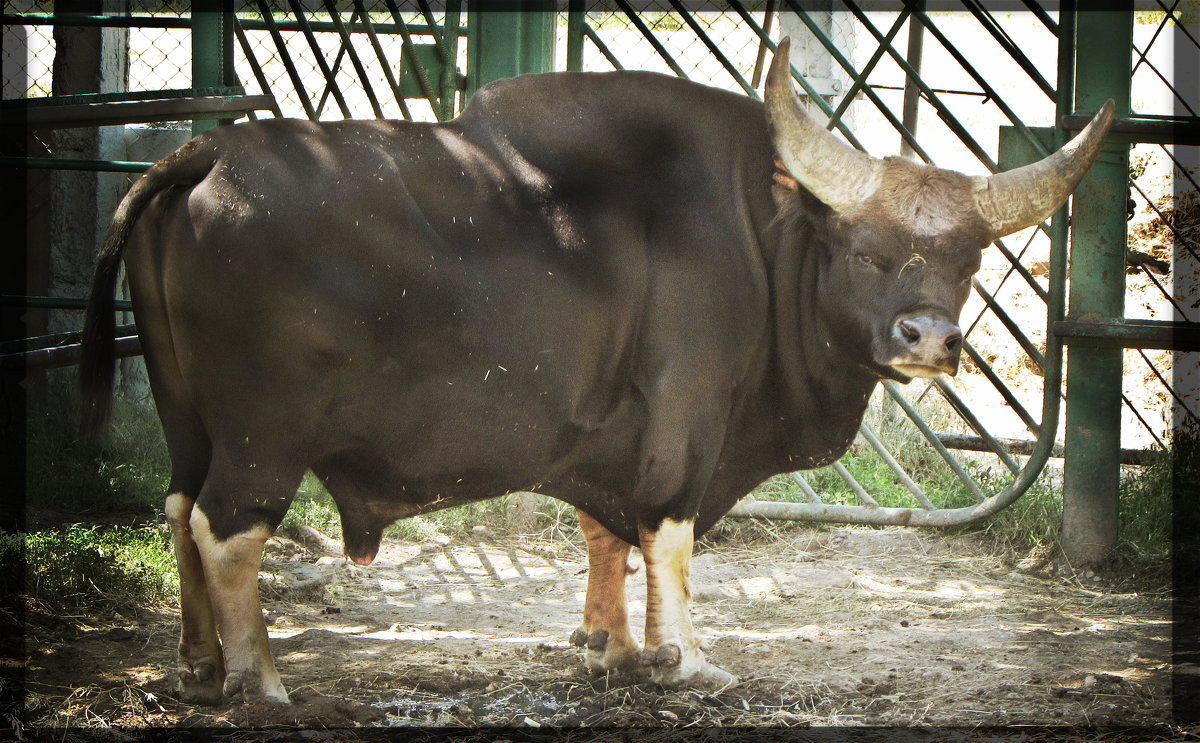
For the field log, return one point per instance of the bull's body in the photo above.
(583, 286)
(524, 298)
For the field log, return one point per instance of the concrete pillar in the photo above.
(86, 60)
(809, 55)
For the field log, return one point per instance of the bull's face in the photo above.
(906, 238)
(899, 268)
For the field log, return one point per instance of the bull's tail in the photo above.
(186, 166)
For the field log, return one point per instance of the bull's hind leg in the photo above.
(605, 631)
(201, 667)
(672, 649)
(238, 510)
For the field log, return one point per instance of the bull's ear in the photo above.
(833, 171)
(1028, 195)
(784, 185)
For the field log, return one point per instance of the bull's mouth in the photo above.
(924, 371)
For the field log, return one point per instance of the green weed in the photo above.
(90, 568)
(127, 471)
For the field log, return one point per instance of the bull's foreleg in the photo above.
(672, 651)
(201, 667)
(605, 631)
(231, 567)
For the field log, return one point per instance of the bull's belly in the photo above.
(425, 447)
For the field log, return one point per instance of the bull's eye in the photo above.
(865, 261)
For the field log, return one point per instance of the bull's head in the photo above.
(906, 238)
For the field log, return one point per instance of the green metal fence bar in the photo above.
(908, 140)
(986, 87)
(319, 57)
(805, 488)
(449, 44)
(256, 69)
(576, 23)
(284, 56)
(912, 487)
(972, 420)
(859, 491)
(1180, 238)
(416, 65)
(53, 340)
(836, 54)
(1011, 48)
(690, 20)
(386, 64)
(934, 441)
(1092, 471)
(998, 384)
(212, 51)
(645, 31)
(347, 47)
(814, 97)
(1017, 264)
(1011, 325)
(334, 68)
(1040, 13)
(943, 111)
(70, 163)
(590, 33)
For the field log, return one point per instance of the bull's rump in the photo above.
(324, 317)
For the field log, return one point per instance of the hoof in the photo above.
(602, 656)
(252, 689)
(597, 640)
(671, 668)
(200, 684)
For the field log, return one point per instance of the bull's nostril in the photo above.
(954, 342)
(909, 332)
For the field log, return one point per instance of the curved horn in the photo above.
(1025, 196)
(836, 173)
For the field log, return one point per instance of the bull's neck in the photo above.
(821, 391)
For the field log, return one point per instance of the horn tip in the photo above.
(778, 74)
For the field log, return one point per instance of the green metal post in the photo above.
(576, 18)
(507, 43)
(449, 86)
(212, 50)
(1093, 427)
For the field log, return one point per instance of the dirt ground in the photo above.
(825, 627)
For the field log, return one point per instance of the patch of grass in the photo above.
(1149, 496)
(1033, 522)
(314, 506)
(127, 471)
(90, 568)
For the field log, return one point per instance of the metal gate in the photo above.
(973, 89)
